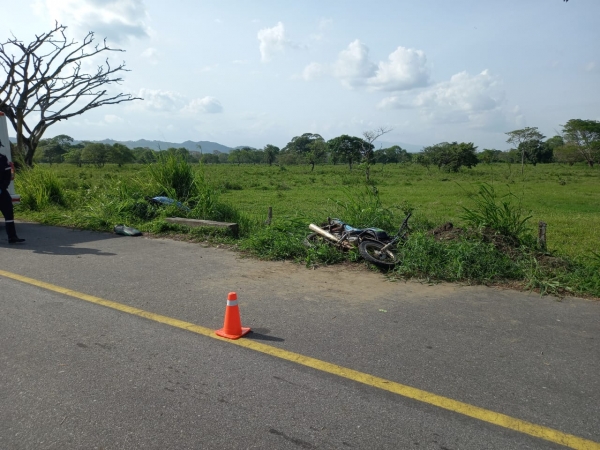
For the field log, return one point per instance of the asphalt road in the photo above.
(77, 375)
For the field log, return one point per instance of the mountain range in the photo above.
(210, 147)
(206, 146)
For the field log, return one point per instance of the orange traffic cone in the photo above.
(232, 327)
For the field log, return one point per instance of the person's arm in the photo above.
(5, 172)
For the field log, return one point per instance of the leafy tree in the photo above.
(451, 156)
(48, 151)
(536, 151)
(403, 155)
(381, 157)
(210, 158)
(95, 153)
(518, 137)
(46, 82)
(585, 136)
(317, 152)
(235, 156)
(179, 153)
(423, 159)
(256, 156)
(146, 156)
(489, 156)
(554, 142)
(394, 154)
(346, 148)
(73, 156)
(270, 153)
(120, 154)
(52, 149)
(568, 154)
(510, 156)
(302, 146)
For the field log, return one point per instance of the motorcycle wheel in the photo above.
(371, 251)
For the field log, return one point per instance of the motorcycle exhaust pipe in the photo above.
(323, 233)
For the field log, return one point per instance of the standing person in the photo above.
(6, 206)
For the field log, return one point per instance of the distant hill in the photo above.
(207, 146)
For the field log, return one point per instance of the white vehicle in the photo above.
(5, 149)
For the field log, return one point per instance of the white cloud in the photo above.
(405, 69)
(272, 41)
(117, 20)
(207, 105)
(591, 66)
(111, 118)
(353, 67)
(476, 99)
(313, 70)
(161, 100)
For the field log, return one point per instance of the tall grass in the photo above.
(172, 176)
(503, 215)
(39, 188)
(362, 207)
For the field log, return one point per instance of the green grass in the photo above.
(565, 197)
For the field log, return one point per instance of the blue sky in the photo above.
(261, 72)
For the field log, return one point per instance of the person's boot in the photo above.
(12, 233)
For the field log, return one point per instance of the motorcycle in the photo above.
(374, 244)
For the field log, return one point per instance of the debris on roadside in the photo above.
(167, 201)
(126, 231)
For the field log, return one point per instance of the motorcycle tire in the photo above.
(371, 251)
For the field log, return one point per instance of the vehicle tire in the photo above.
(371, 251)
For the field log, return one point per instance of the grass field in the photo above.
(567, 198)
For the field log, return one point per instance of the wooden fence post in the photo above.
(542, 235)
(269, 216)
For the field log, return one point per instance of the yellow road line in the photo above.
(475, 412)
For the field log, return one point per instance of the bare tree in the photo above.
(45, 83)
(367, 148)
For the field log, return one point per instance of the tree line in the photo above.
(579, 142)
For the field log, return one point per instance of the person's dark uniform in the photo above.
(6, 206)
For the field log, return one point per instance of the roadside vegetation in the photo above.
(494, 210)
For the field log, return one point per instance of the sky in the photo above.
(261, 72)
